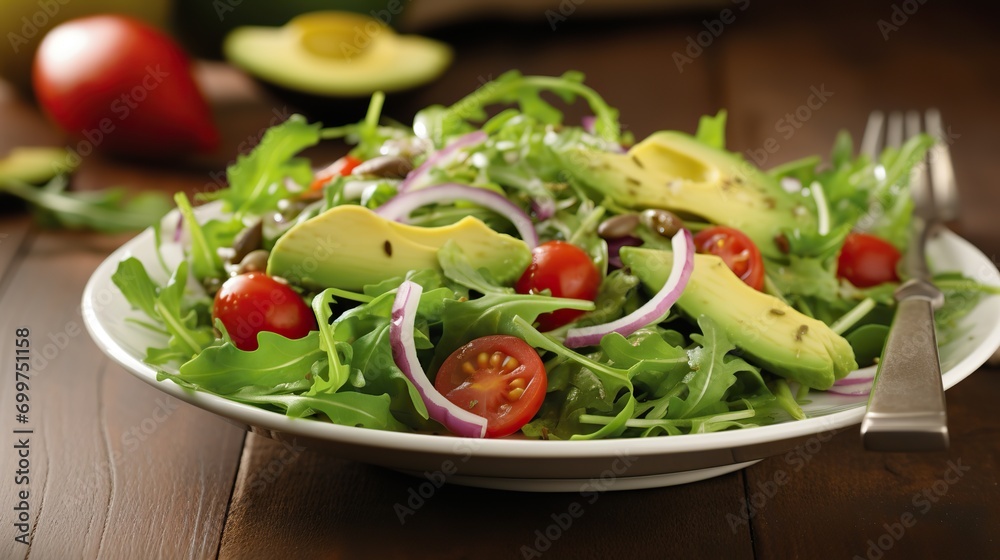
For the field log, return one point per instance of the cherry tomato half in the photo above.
(254, 302)
(866, 260)
(342, 167)
(736, 250)
(566, 271)
(499, 377)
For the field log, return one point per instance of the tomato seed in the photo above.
(496, 359)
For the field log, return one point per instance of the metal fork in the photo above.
(906, 408)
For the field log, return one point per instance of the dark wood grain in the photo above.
(113, 461)
(846, 503)
(291, 500)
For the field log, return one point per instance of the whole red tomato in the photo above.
(866, 260)
(566, 271)
(119, 85)
(736, 250)
(253, 302)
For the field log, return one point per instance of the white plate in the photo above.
(517, 464)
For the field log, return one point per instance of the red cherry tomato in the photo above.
(499, 377)
(120, 85)
(566, 271)
(736, 250)
(866, 260)
(254, 302)
(342, 167)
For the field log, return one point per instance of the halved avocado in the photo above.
(336, 54)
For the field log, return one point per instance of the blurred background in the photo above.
(663, 64)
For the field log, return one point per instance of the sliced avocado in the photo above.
(676, 172)
(34, 165)
(774, 335)
(350, 246)
(337, 54)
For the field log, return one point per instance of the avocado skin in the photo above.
(350, 246)
(674, 171)
(773, 335)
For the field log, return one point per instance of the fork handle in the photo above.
(906, 409)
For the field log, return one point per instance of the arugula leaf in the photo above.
(512, 87)
(713, 373)
(372, 368)
(346, 409)
(339, 372)
(225, 369)
(106, 211)
(712, 130)
(654, 365)
(257, 180)
(169, 308)
(138, 288)
(205, 261)
(457, 268)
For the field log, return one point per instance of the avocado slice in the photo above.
(774, 335)
(350, 246)
(337, 54)
(674, 171)
(34, 165)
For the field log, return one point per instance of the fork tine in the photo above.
(894, 130)
(920, 190)
(873, 135)
(942, 174)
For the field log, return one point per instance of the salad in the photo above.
(493, 270)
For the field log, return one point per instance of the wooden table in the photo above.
(119, 471)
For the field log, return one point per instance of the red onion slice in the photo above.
(461, 422)
(863, 375)
(415, 178)
(179, 229)
(543, 207)
(653, 310)
(399, 207)
(857, 389)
